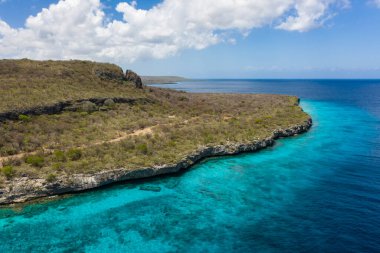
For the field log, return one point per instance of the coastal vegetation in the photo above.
(26, 84)
(162, 129)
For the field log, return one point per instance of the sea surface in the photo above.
(317, 192)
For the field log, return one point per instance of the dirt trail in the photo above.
(144, 131)
(123, 136)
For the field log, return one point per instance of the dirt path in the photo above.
(123, 136)
(144, 131)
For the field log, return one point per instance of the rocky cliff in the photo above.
(24, 189)
(133, 77)
(66, 105)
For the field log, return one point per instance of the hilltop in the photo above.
(75, 125)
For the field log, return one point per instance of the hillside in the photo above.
(107, 124)
(27, 84)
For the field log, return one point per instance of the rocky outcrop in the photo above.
(68, 105)
(110, 75)
(133, 77)
(23, 189)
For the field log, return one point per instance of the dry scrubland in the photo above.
(117, 135)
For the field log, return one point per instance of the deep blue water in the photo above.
(317, 192)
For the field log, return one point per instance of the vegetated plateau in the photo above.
(64, 123)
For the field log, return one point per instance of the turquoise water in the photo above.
(317, 192)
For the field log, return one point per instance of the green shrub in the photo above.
(74, 154)
(183, 98)
(9, 150)
(51, 178)
(59, 156)
(13, 162)
(24, 118)
(8, 171)
(172, 143)
(142, 148)
(35, 160)
(128, 144)
(57, 166)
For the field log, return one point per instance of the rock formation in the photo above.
(69, 106)
(133, 77)
(107, 74)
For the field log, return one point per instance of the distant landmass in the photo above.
(163, 79)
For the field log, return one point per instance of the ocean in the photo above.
(316, 192)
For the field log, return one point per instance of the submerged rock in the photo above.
(151, 188)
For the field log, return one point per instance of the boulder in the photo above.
(85, 106)
(88, 106)
(109, 102)
(135, 78)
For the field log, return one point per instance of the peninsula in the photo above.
(68, 126)
(162, 79)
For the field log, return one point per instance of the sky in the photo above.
(201, 38)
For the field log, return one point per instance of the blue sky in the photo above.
(345, 45)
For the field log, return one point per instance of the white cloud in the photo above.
(376, 3)
(80, 28)
(311, 14)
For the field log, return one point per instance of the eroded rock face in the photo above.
(68, 106)
(110, 75)
(23, 189)
(135, 78)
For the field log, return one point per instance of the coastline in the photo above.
(26, 189)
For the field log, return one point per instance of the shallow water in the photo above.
(317, 192)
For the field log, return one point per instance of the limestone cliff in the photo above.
(24, 189)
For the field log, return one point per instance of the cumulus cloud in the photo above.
(311, 14)
(376, 3)
(80, 29)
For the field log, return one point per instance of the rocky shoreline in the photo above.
(24, 189)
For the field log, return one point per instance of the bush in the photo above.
(142, 148)
(57, 166)
(24, 118)
(183, 98)
(74, 154)
(51, 178)
(13, 162)
(8, 171)
(35, 160)
(59, 156)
